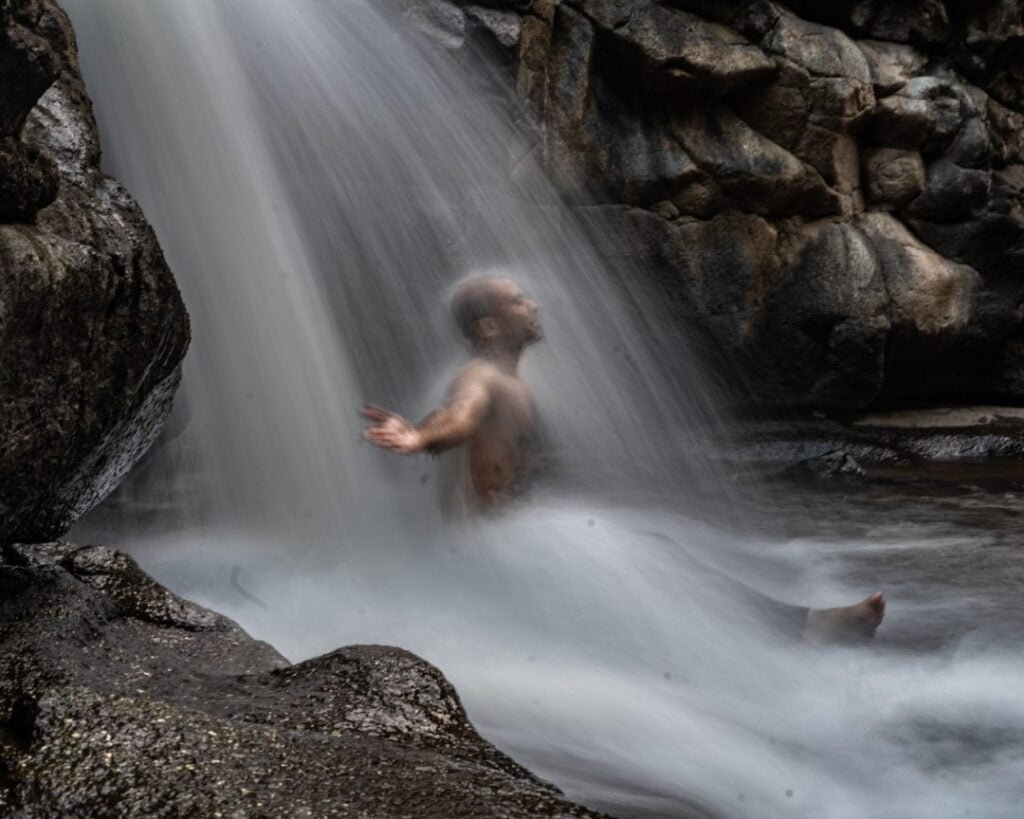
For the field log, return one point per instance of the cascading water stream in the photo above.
(318, 181)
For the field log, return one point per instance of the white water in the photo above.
(318, 182)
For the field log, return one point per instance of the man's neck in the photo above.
(506, 359)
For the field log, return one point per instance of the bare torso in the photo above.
(502, 448)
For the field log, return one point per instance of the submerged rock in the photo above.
(118, 698)
(92, 327)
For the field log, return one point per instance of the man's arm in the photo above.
(447, 427)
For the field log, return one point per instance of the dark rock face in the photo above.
(119, 699)
(92, 327)
(833, 192)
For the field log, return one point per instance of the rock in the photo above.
(892, 65)
(819, 50)
(117, 696)
(988, 235)
(924, 21)
(665, 209)
(92, 325)
(677, 50)
(824, 330)
(966, 417)
(28, 181)
(504, 26)
(990, 47)
(894, 176)
(901, 122)
(949, 105)
(28, 66)
(910, 21)
(442, 20)
(942, 339)
(751, 170)
(819, 96)
(832, 464)
(951, 193)
(1006, 134)
(927, 292)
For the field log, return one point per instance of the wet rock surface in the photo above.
(879, 145)
(92, 327)
(818, 448)
(119, 699)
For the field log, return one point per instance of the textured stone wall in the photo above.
(831, 192)
(92, 327)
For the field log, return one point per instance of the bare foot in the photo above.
(848, 624)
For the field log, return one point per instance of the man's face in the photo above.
(516, 314)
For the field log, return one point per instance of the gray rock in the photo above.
(675, 49)
(892, 65)
(831, 464)
(825, 324)
(910, 21)
(751, 170)
(92, 324)
(504, 26)
(951, 193)
(901, 122)
(442, 20)
(894, 176)
(819, 97)
(118, 698)
(28, 181)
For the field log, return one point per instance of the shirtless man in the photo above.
(489, 416)
(489, 409)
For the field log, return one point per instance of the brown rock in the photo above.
(676, 49)
(751, 170)
(892, 65)
(893, 176)
(928, 293)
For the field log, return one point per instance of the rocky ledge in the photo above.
(874, 444)
(118, 698)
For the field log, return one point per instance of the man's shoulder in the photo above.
(477, 373)
(479, 369)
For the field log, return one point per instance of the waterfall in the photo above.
(319, 179)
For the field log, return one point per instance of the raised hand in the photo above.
(390, 431)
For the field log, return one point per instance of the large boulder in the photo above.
(119, 699)
(92, 327)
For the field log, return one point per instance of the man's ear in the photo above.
(486, 328)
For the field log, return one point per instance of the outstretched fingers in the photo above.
(372, 412)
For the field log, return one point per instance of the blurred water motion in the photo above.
(319, 179)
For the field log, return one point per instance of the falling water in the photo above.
(319, 179)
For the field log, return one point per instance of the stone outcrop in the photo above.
(92, 327)
(831, 193)
(119, 699)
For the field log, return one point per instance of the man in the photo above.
(489, 421)
(489, 412)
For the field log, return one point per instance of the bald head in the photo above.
(492, 308)
(475, 299)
